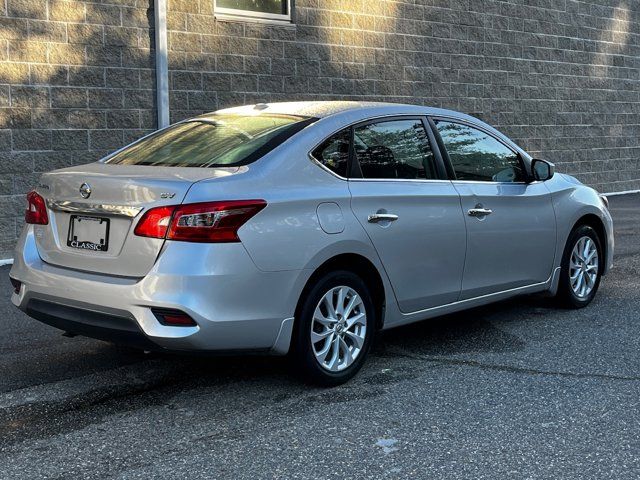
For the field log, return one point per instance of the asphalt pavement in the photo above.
(519, 389)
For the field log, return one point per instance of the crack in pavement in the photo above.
(511, 368)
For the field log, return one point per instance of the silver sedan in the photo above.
(303, 229)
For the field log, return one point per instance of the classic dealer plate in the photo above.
(88, 233)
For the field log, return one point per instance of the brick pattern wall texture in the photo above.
(561, 77)
(77, 81)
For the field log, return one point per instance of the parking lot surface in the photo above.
(518, 389)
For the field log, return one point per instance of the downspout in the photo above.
(162, 67)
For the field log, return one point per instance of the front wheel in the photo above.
(582, 264)
(334, 329)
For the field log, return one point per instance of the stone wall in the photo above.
(77, 80)
(562, 77)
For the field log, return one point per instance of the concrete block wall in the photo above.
(561, 77)
(77, 81)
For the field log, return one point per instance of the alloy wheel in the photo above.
(338, 328)
(583, 267)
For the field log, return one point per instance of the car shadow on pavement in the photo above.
(472, 331)
(475, 330)
(156, 379)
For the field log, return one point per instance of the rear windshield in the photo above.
(214, 141)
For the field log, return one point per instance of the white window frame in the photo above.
(237, 14)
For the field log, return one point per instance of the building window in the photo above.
(269, 10)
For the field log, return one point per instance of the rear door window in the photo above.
(394, 149)
(221, 140)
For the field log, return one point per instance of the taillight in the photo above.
(216, 222)
(155, 222)
(36, 212)
(212, 222)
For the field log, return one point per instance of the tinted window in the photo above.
(394, 149)
(214, 141)
(476, 155)
(333, 153)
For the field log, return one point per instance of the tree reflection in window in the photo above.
(217, 140)
(394, 149)
(333, 153)
(476, 155)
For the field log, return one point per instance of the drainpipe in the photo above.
(162, 68)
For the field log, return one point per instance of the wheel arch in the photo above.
(359, 265)
(594, 221)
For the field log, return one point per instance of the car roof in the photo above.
(323, 109)
(352, 111)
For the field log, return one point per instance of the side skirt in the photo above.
(551, 285)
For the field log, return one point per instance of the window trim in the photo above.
(351, 165)
(223, 13)
(445, 154)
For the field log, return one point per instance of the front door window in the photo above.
(476, 155)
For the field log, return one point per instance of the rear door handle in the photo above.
(479, 212)
(380, 217)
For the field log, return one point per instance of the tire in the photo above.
(317, 362)
(568, 295)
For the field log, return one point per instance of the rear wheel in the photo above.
(581, 268)
(334, 329)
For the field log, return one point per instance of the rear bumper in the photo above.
(236, 306)
(120, 329)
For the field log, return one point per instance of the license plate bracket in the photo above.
(88, 233)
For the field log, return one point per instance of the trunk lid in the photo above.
(113, 198)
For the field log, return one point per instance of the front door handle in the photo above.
(381, 217)
(479, 212)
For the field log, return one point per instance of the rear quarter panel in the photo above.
(287, 234)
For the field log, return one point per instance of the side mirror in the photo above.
(542, 170)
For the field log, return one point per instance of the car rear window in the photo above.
(215, 141)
